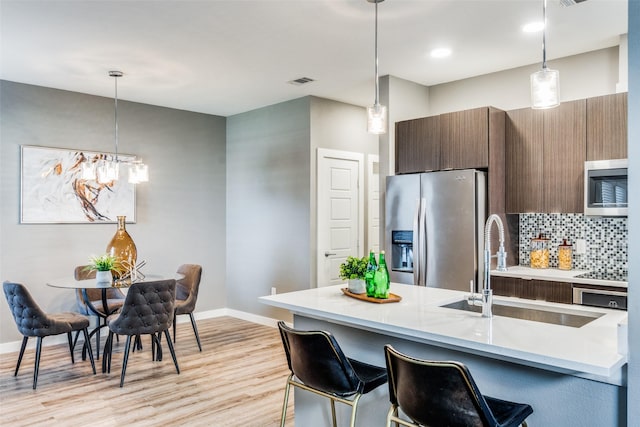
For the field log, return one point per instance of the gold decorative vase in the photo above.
(123, 247)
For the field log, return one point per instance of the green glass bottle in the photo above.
(372, 266)
(381, 279)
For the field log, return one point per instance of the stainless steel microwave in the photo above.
(605, 187)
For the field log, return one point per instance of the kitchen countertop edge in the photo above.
(608, 367)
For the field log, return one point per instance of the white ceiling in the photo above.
(226, 57)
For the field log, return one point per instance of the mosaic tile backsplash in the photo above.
(606, 239)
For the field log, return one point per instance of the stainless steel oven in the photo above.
(595, 297)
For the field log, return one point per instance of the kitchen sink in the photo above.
(555, 316)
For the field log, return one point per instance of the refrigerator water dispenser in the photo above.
(402, 250)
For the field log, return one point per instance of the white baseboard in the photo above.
(14, 346)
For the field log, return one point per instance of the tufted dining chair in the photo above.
(32, 321)
(187, 295)
(148, 309)
(443, 393)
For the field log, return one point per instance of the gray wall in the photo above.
(180, 212)
(268, 204)
(271, 194)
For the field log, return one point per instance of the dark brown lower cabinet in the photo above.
(532, 289)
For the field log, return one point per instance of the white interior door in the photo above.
(340, 212)
(373, 203)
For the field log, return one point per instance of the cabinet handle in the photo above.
(328, 254)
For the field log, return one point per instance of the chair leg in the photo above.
(37, 365)
(354, 409)
(158, 349)
(98, 342)
(286, 401)
(174, 325)
(106, 358)
(24, 345)
(125, 359)
(88, 345)
(195, 330)
(70, 339)
(173, 353)
(333, 413)
(75, 340)
(153, 347)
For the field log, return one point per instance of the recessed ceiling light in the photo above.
(533, 27)
(441, 52)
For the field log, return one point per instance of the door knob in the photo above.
(328, 254)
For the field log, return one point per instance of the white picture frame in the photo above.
(53, 191)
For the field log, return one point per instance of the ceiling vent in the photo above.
(300, 81)
(567, 3)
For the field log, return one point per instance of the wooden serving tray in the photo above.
(364, 297)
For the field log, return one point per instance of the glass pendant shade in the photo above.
(377, 119)
(138, 172)
(88, 170)
(108, 172)
(545, 89)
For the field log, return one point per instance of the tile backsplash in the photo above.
(606, 239)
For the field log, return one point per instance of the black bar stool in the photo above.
(318, 365)
(444, 394)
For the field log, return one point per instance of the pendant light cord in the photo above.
(377, 102)
(544, 31)
(116, 114)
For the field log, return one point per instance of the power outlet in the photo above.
(581, 246)
(273, 290)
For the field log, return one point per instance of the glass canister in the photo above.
(565, 253)
(539, 257)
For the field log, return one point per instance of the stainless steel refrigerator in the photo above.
(434, 228)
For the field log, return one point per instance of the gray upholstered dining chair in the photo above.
(32, 321)
(187, 295)
(115, 299)
(148, 309)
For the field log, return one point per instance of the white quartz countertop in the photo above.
(590, 351)
(555, 274)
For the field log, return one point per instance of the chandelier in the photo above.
(106, 169)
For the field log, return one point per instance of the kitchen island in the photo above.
(571, 376)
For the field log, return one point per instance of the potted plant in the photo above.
(353, 270)
(104, 265)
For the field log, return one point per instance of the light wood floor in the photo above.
(237, 380)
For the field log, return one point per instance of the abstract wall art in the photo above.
(53, 191)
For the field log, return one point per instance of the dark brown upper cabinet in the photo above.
(607, 127)
(565, 151)
(545, 154)
(524, 160)
(464, 137)
(418, 145)
(459, 140)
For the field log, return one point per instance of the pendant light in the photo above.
(545, 84)
(107, 170)
(376, 114)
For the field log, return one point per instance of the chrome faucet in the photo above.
(485, 299)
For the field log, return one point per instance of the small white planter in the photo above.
(357, 286)
(104, 277)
